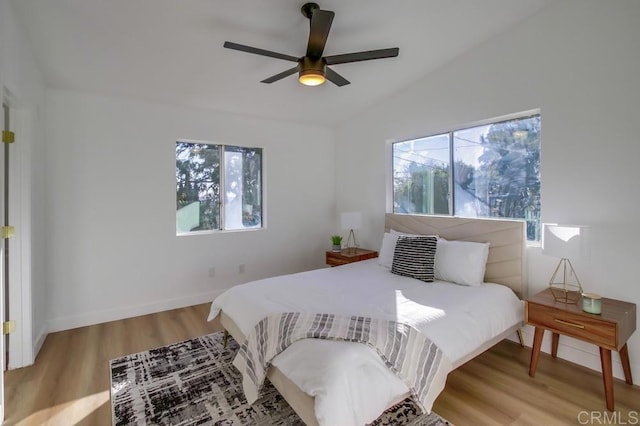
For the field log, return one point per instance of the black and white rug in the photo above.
(194, 383)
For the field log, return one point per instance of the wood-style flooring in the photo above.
(69, 382)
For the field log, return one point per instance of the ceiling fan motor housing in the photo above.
(312, 66)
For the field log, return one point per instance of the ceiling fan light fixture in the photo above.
(312, 71)
(311, 77)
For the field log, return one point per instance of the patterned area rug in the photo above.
(194, 383)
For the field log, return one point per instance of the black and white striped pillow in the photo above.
(414, 257)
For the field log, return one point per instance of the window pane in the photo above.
(197, 187)
(242, 187)
(497, 172)
(421, 176)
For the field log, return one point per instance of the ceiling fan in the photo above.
(312, 68)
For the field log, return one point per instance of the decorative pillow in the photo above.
(388, 247)
(414, 257)
(461, 262)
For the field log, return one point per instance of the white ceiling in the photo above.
(170, 51)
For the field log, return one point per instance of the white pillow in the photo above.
(385, 255)
(405, 234)
(461, 262)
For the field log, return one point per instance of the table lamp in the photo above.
(565, 242)
(351, 221)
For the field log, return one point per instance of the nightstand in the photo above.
(609, 330)
(349, 255)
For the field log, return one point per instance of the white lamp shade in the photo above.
(566, 241)
(351, 220)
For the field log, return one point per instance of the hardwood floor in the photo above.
(70, 380)
(69, 383)
(495, 389)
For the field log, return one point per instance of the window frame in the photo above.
(390, 190)
(222, 182)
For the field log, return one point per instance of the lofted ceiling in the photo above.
(170, 51)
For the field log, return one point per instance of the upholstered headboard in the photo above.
(507, 238)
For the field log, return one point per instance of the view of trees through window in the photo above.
(218, 187)
(485, 171)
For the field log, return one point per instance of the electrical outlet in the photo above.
(212, 272)
(241, 268)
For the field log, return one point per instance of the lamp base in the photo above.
(355, 244)
(564, 283)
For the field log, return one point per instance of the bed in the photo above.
(331, 382)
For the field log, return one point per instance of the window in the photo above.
(218, 187)
(485, 171)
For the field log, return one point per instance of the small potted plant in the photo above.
(336, 240)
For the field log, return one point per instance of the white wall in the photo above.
(20, 77)
(578, 62)
(111, 243)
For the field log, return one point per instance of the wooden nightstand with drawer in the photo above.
(349, 255)
(609, 330)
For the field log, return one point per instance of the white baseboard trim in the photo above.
(37, 344)
(579, 352)
(98, 317)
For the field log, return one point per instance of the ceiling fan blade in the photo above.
(362, 56)
(319, 32)
(255, 50)
(280, 76)
(335, 78)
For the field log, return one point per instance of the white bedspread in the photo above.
(350, 383)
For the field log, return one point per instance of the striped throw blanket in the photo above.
(407, 352)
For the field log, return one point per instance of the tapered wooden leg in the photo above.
(520, 337)
(626, 367)
(555, 337)
(224, 338)
(535, 350)
(607, 376)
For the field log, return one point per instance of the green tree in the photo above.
(510, 164)
(422, 189)
(252, 189)
(198, 180)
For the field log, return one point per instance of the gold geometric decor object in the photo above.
(564, 284)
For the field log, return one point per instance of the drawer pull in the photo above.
(570, 324)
